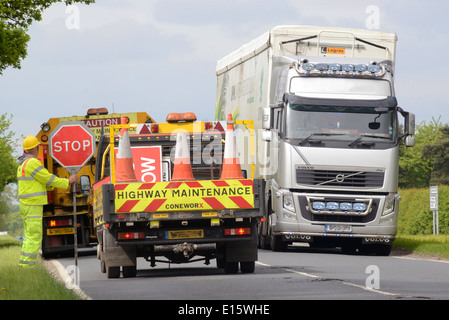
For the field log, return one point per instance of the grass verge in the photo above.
(429, 245)
(27, 284)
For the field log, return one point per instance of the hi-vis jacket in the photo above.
(34, 181)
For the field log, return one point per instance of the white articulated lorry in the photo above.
(327, 127)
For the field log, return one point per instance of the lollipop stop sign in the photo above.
(72, 144)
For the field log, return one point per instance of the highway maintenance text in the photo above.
(207, 192)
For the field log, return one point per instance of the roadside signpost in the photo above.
(434, 208)
(72, 144)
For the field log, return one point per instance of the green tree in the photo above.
(8, 165)
(15, 18)
(438, 153)
(13, 46)
(415, 169)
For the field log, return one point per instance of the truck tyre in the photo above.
(349, 249)
(220, 263)
(376, 249)
(112, 272)
(277, 244)
(247, 266)
(264, 230)
(129, 272)
(263, 241)
(382, 250)
(102, 266)
(231, 267)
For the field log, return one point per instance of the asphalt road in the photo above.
(298, 274)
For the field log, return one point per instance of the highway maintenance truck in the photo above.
(58, 224)
(327, 126)
(174, 193)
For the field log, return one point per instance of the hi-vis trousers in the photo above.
(32, 223)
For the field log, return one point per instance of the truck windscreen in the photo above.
(342, 123)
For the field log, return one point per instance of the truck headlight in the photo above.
(288, 202)
(389, 205)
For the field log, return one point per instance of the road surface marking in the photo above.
(305, 274)
(420, 259)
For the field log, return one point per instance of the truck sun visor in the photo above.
(389, 102)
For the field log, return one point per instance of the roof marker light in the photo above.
(348, 67)
(373, 68)
(308, 66)
(335, 67)
(322, 67)
(361, 67)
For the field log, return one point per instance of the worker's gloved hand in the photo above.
(72, 179)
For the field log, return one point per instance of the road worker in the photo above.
(34, 181)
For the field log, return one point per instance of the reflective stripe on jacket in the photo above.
(34, 180)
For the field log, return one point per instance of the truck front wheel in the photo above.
(277, 244)
(247, 266)
(112, 272)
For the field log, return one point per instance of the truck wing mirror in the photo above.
(410, 124)
(85, 185)
(266, 118)
(410, 141)
(267, 115)
(266, 135)
(409, 121)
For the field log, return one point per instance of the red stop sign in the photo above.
(72, 144)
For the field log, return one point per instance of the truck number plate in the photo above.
(58, 231)
(184, 234)
(338, 228)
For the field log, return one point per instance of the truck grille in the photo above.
(355, 179)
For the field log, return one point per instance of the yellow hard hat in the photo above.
(30, 142)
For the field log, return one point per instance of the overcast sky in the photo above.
(160, 56)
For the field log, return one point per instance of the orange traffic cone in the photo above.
(182, 169)
(124, 170)
(231, 164)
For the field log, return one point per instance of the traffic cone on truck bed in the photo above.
(124, 170)
(231, 164)
(182, 169)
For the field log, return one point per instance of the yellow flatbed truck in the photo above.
(174, 221)
(58, 226)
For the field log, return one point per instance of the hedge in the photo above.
(415, 216)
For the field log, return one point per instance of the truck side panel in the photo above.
(243, 91)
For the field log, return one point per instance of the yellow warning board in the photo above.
(184, 196)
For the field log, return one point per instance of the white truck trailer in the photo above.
(327, 128)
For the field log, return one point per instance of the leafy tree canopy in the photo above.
(8, 165)
(438, 153)
(426, 163)
(15, 18)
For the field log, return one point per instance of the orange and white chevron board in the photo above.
(184, 196)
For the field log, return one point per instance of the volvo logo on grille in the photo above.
(340, 178)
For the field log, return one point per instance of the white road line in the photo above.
(305, 274)
(385, 293)
(302, 273)
(263, 264)
(419, 259)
